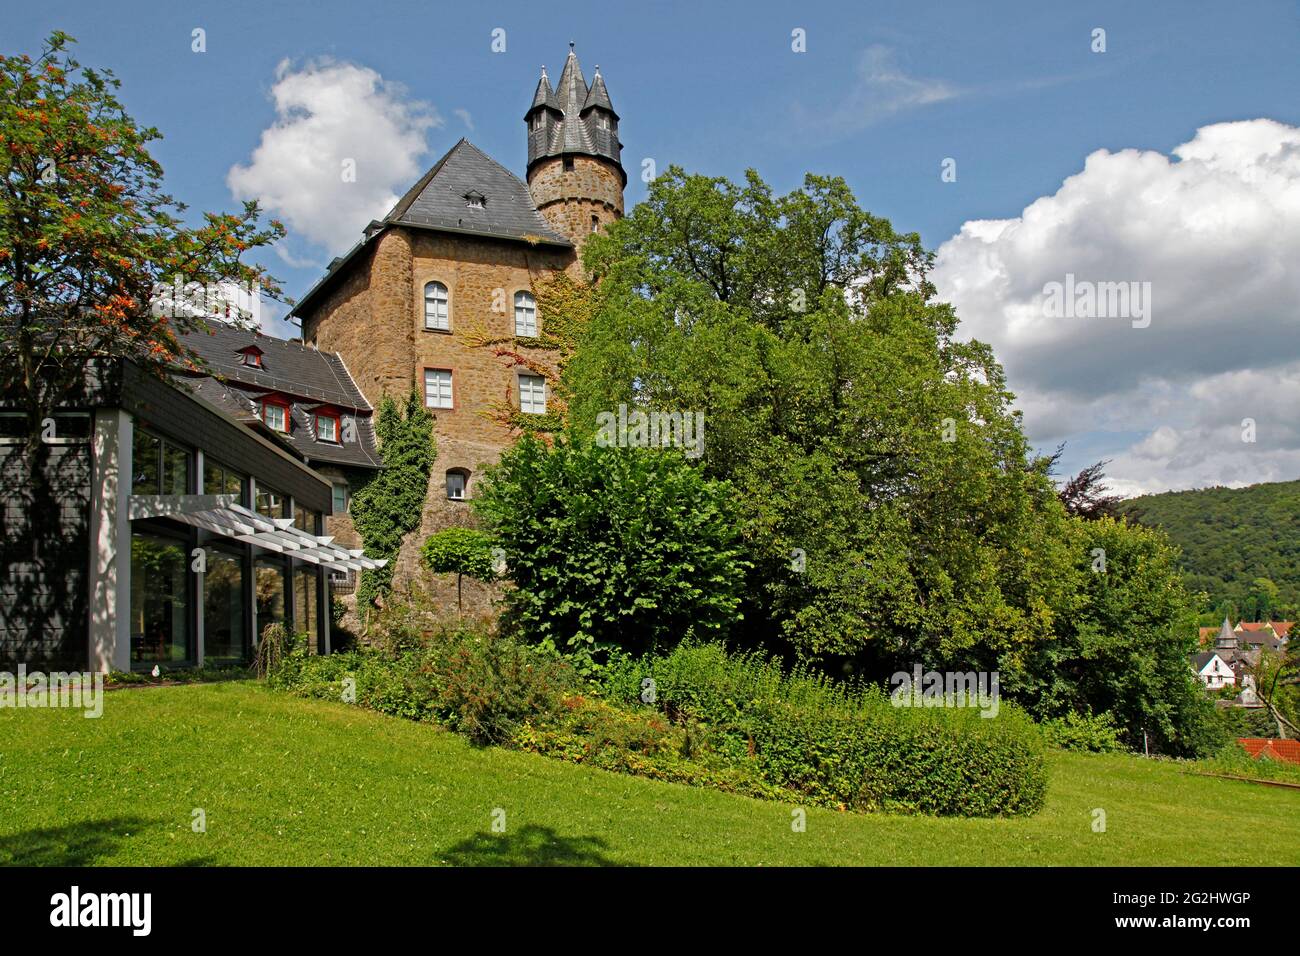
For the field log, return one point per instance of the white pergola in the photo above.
(223, 515)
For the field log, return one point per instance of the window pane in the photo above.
(270, 502)
(159, 600)
(456, 485)
(235, 485)
(437, 388)
(327, 428)
(214, 478)
(304, 519)
(176, 470)
(532, 394)
(145, 476)
(306, 620)
(435, 306)
(223, 608)
(340, 502)
(269, 585)
(525, 314)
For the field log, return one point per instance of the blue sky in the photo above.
(883, 94)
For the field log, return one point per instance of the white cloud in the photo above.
(881, 88)
(465, 117)
(332, 117)
(1215, 230)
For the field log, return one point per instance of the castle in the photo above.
(456, 262)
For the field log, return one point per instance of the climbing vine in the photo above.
(389, 505)
(564, 306)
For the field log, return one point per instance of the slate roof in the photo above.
(570, 117)
(438, 200)
(306, 376)
(1203, 658)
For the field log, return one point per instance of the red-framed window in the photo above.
(275, 413)
(328, 426)
(251, 356)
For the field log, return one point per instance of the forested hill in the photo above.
(1231, 538)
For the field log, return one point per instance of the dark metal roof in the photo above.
(288, 367)
(544, 96)
(598, 96)
(438, 200)
(307, 377)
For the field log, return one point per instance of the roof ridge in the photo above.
(413, 193)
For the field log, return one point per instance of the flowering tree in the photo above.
(87, 235)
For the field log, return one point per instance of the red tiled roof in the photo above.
(1253, 625)
(1288, 750)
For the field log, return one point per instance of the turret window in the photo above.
(525, 315)
(436, 313)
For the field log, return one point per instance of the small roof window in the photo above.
(475, 199)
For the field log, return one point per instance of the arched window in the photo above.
(436, 315)
(525, 315)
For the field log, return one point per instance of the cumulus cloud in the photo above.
(1213, 232)
(343, 144)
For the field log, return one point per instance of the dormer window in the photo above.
(275, 415)
(604, 122)
(327, 427)
(475, 199)
(251, 357)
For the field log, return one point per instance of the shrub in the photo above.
(460, 551)
(468, 680)
(1096, 733)
(613, 547)
(844, 745)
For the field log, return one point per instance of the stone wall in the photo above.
(568, 199)
(374, 319)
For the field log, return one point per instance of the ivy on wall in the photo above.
(389, 505)
(564, 306)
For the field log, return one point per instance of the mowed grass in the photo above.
(292, 782)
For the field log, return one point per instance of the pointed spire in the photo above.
(598, 96)
(544, 96)
(572, 90)
(1226, 637)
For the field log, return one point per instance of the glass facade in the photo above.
(160, 632)
(270, 503)
(176, 616)
(158, 467)
(271, 593)
(224, 627)
(220, 480)
(306, 608)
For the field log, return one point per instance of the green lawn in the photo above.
(289, 781)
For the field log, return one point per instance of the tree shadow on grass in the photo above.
(531, 845)
(77, 844)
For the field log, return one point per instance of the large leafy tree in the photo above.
(87, 235)
(891, 513)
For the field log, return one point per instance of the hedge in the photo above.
(842, 745)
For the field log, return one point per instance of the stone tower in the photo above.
(575, 171)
